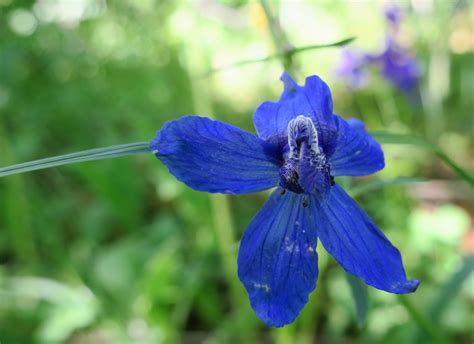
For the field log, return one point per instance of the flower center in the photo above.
(305, 169)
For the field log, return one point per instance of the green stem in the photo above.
(224, 227)
(280, 40)
(74, 158)
(455, 167)
(290, 51)
(16, 211)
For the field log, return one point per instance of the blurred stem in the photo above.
(454, 166)
(290, 51)
(309, 318)
(280, 39)
(17, 210)
(222, 219)
(423, 323)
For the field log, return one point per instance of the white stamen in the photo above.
(302, 123)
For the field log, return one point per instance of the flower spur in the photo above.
(300, 147)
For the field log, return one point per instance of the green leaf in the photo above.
(392, 138)
(361, 298)
(449, 291)
(422, 322)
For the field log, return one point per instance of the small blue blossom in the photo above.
(299, 148)
(394, 15)
(398, 66)
(353, 68)
(396, 63)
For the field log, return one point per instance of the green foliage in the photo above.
(119, 251)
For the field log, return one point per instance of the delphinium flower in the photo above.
(394, 15)
(398, 66)
(299, 148)
(353, 68)
(396, 63)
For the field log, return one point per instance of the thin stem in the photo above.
(392, 138)
(16, 211)
(73, 158)
(454, 166)
(290, 51)
(279, 38)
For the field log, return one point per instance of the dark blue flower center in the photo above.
(305, 168)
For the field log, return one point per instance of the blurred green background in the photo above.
(118, 251)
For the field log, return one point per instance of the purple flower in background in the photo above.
(301, 145)
(353, 68)
(394, 15)
(396, 63)
(398, 66)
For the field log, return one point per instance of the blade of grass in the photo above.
(392, 138)
(379, 184)
(451, 288)
(423, 323)
(448, 292)
(74, 158)
(361, 298)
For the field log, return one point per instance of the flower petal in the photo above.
(277, 258)
(352, 238)
(312, 100)
(356, 153)
(213, 156)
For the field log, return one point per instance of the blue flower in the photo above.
(398, 66)
(353, 67)
(394, 15)
(301, 145)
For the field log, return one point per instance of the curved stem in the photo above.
(73, 158)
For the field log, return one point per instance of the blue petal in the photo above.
(357, 153)
(352, 238)
(314, 174)
(277, 258)
(313, 100)
(213, 156)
